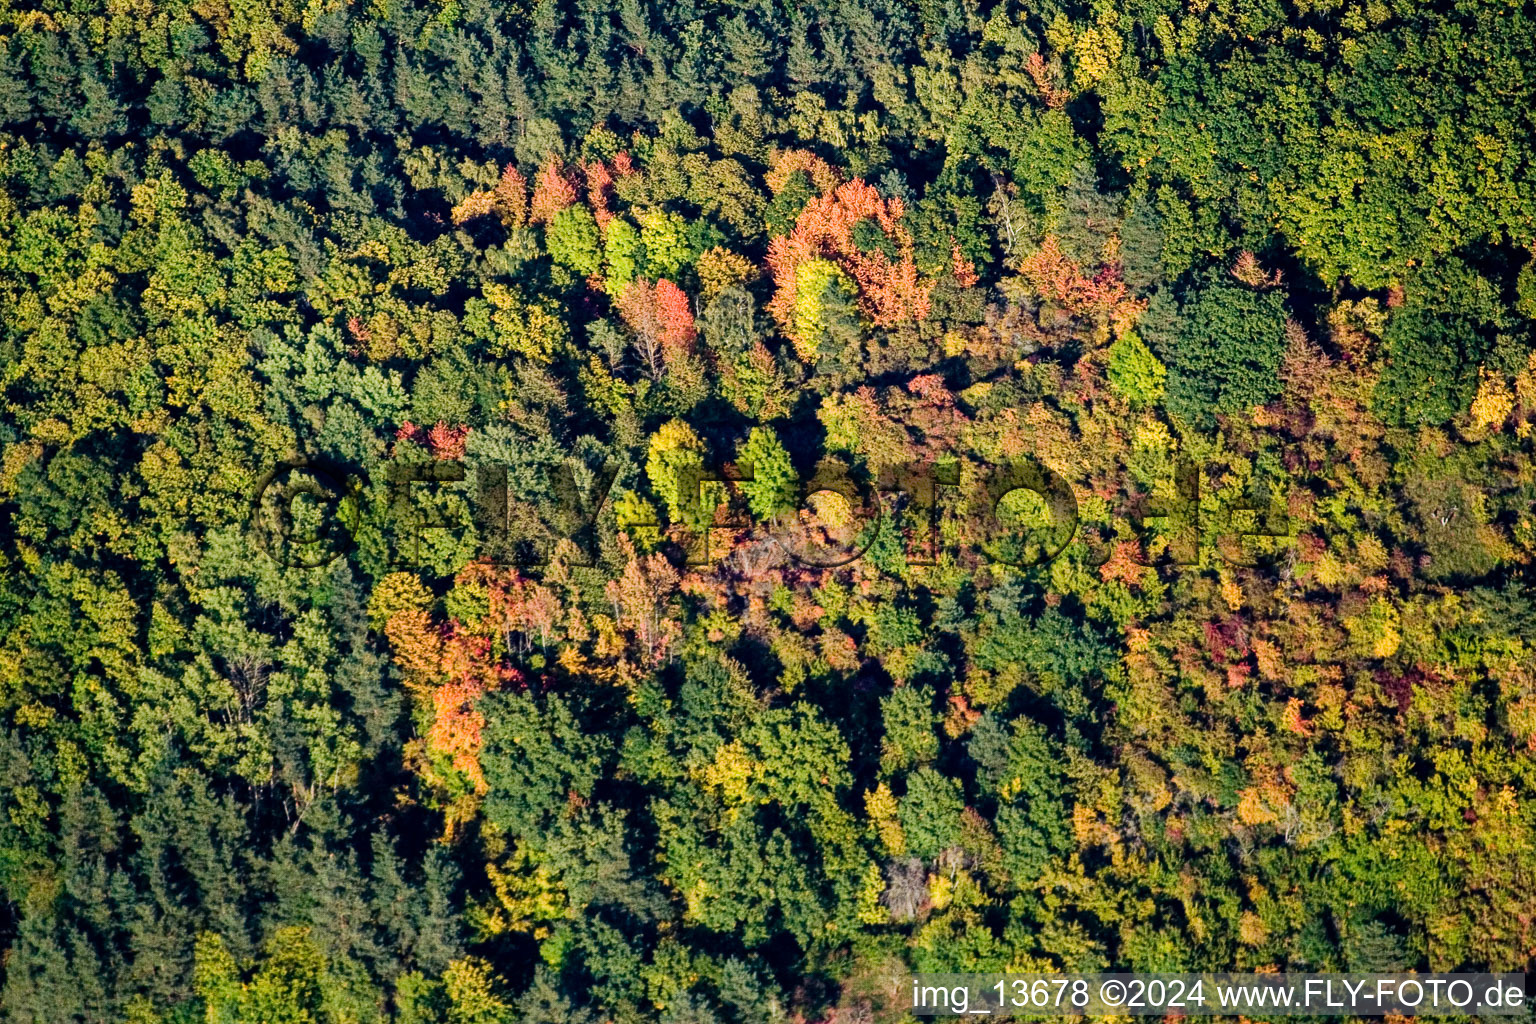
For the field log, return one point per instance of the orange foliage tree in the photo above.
(640, 598)
(454, 667)
(965, 270)
(889, 289)
(1101, 297)
(512, 197)
(599, 187)
(1047, 79)
(676, 315)
(454, 663)
(508, 200)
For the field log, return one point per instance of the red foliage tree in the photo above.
(443, 441)
(661, 317)
(554, 190)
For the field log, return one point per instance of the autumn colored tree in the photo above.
(1101, 298)
(674, 463)
(599, 191)
(446, 442)
(720, 268)
(508, 200)
(555, 189)
(453, 662)
(787, 163)
(640, 598)
(889, 291)
(660, 318)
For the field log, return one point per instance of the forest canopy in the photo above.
(489, 501)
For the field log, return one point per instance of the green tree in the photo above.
(930, 813)
(535, 757)
(1429, 366)
(573, 240)
(774, 489)
(784, 208)
(1134, 372)
(1225, 355)
(910, 737)
(623, 255)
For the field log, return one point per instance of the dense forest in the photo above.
(681, 511)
